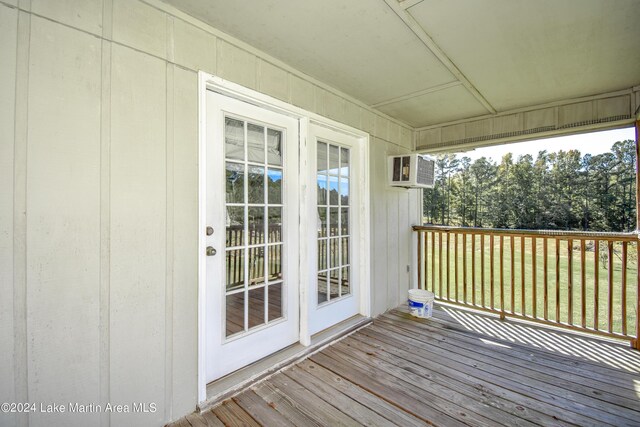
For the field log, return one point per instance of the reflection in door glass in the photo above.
(255, 143)
(274, 147)
(256, 184)
(235, 226)
(235, 313)
(235, 182)
(275, 301)
(274, 185)
(333, 177)
(235, 269)
(254, 194)
(256, 307)
(234, 138)
(275, 263)
(275, 225)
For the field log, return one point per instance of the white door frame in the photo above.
(208, 81)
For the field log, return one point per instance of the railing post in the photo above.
(636, 343)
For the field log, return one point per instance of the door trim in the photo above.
(208, 81)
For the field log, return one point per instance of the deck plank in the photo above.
(458, 368)
(310, 404)
(343, 403)
(380, 385)
(569, 368)
(196, 420)
(567, 386)
(211, 419)
(381, 406)
(255, 406)
(506, 375)
(501, 397)
(233, 415)
(554, 344)
(447, 398)
(284, 405)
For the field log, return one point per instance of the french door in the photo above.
(252, 215)
(335, 173)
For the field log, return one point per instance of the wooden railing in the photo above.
(579, 280)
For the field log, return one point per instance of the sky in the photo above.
(592, 143)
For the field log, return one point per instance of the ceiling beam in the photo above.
(417, 29)
(417, 93)
(406, 4)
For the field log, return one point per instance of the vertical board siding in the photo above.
(8, 45)
(99, 200)
(379, 242)
(85, 15)
(63, 220)
(138, 232)
(185, 250)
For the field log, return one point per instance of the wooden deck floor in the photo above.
(458, 368)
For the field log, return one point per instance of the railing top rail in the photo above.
(589, 235)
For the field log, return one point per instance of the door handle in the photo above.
(211, 251)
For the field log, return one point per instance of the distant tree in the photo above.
(560, 190)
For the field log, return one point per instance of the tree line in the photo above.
(563, 190)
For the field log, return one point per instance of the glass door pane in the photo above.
(333, 177)
(254, 184)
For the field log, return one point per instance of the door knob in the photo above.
(211, 251)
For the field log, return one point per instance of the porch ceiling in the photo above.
(427, 62)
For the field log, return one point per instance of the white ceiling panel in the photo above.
(358, 46)
(435, 107)
(521, 52)
(514, 53)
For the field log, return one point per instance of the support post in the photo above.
(636, 343)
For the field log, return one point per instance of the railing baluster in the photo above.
(513, 274)
(448, 264)
(473, 269)
(464, 266)
(523, 303)
(440, 265)
(420, 284)
(426, 260)
(433, 262)
(596, 283)
(637, 332)
(610, 284)
(583, 285)
(482, 269)
(558, 280)
(545, 276)
(455, 263)
(570, 281)
(623, 297)
(502, 310)
(491, 268)
(534, 290)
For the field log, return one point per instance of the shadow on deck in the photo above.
(457, 368)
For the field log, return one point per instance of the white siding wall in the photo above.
(98, 200)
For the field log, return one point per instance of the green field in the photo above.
(513, 278)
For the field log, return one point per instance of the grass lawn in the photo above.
(518, 279)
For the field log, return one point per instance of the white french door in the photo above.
(252, 236)
(335, 174)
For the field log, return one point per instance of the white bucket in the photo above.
(421, 303)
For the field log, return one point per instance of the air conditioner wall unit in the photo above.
(412, 171)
